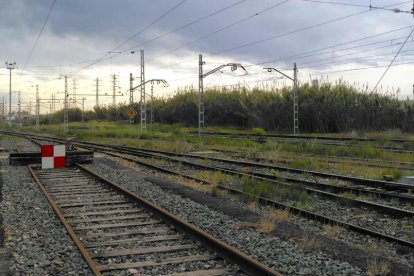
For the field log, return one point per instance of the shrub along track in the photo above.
(107, 223)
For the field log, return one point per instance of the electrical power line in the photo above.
(386, 70)
(186, 25)
(38, 37)
(278, 36)
(221, 29)
(149, 25)
(104, 58)
(296, 31)
(359, 5)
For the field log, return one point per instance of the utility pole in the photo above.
(152, 104)
(152, 81)
(37, 107)
(50, 114)
(131, 96)
(295, 95)
(74, 93)
(143, 103)
(53, 103)
(114, 80)
(30, 111)
(201, 76)
(83, 109)
(295, 101)
(200, 96)
(66, 115)
(97, 92)
(19, 109)
(2, 112)
(10, 66)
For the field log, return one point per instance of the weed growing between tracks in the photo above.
(271, 190)
(270, 219)
(333, 230)
(378, 268)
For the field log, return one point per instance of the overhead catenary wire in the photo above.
(149, 25)
(38, 36)
(388, 67)
(296, 31)
(105, 57)
(277, 36)
(186, 25)
(222, 29)
(358, 5)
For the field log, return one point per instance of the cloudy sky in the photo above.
(89, 39)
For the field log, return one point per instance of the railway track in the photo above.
(116, 230)
(277, 204)
(318, 137)
(321, 189)
(339, 142)
(366, 162)
(308, 214)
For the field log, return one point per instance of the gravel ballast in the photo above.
(284, 255)
(38, 240)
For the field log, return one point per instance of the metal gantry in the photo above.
(295, 95)
(201, 76)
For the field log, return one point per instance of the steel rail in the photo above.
(229, 253)
(85, 254)
(373, 183)
(273, 179)
(279, 205)
(262, 138)
(248, 264)
(307, 137)
(370, 182)
(301, 212)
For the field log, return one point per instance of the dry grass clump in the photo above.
(270, 219)
(253, 205)
(373, 249)
(333, 230)
(308, 242)
(378, 268)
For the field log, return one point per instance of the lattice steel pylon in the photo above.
(143, 106)
(200, 96)
(131, 96)
(97, 92)
(2, 112)
(66, 115)
(114, 86)
(152, 104)
(19, 110)
(37, 107)
(201, 76)
(295, 101)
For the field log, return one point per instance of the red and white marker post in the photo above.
(53, 156)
